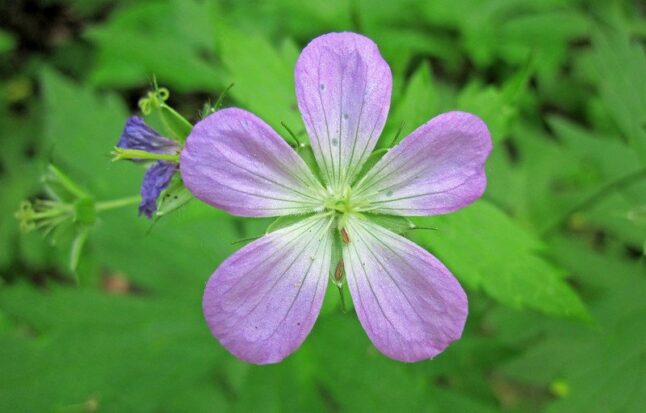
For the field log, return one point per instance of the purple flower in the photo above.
(137, 135)
(263, 301)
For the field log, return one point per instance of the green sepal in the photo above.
(174, 123)
(307, 154)
(171, 124)
(370, 162)
(175, 196)
(396, 224)
(285, 221)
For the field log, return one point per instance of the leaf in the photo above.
(123, 353)
(80, 128)
(598, 369)
(498, 107)
(264, 79)
(157, 39)
(621, 65)
(7, 42)
(417, 105)
(486, 250)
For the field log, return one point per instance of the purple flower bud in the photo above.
(137, 135)
(156, 179)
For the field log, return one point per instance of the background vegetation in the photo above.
(552, 257)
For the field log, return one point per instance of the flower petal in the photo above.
(407, 301)
(437, 169)
(235, 161)
(343, 87)
(137, 135)
(262, 301)
(156, 179)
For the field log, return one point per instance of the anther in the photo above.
(344, 236)
(338, 273)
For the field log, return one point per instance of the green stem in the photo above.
(67, 182)
(117, 203)
(596, 196)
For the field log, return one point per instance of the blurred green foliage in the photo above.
(552, 257)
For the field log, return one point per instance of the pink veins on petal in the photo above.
(262, 302)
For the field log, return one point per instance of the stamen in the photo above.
(338, 273)
(344, 236)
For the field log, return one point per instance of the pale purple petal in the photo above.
(407, 301)
(235, 161)
(343, 87)
(156, 179)
(438, 168)
(262, 301)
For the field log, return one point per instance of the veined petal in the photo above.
(343, 87)
(437, 169)
(235, 161)
(407, 301)
(262, 301)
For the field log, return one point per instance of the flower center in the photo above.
(340, 203)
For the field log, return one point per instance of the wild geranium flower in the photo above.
(140, 141)
(263, 301)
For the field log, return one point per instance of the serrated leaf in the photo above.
(621, 65)
(264, 79)
(417, 105)
(487, 250)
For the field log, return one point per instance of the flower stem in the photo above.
(117, 203)
(596, 196)
(66, 182)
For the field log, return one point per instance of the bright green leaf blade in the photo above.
(487, 250)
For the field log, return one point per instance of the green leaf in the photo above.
(418, 104)
(498, 107)
(264, 78)
(487, 250)
(621, 65)
(596, 369)
(123, 353)
(7, 42)
(80, 128)
(172, 41)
